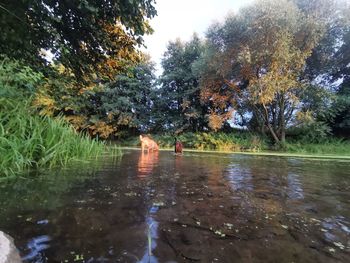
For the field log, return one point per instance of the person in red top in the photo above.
(178, 146)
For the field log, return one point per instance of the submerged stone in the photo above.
(8, 251)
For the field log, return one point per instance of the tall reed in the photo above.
(28, 140)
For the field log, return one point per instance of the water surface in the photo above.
(198, 207)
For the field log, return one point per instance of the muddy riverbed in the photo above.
(198, 207)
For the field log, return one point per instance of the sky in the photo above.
(181, 18)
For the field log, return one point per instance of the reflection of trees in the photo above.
(43, 190)
(295, 190)
(267, 184)
(254, 194)
(240, 178)
(112, 222)
(108, 216)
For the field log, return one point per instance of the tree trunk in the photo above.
(272, 131)
(282, 123)
(274, 116)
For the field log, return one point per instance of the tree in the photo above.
(260, 55)
(122, 106)
(341, 121)
(81, 34)
(179, 107)
(104, 110)
(327, 67)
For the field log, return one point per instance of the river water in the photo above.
(198, 207)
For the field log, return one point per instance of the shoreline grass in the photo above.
(246, 143)
(29, 141)
(277, 154)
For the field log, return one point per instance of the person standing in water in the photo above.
(178, 146)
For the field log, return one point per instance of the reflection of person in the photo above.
(146, 163)
(149, 143)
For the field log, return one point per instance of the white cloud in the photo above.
(181, 18)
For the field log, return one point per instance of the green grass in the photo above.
(31, 141)
(246, 142)
(329, 146)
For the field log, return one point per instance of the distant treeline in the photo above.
(277, 68)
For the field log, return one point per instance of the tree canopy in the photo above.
(178, 105)
(81, 34)
(260, 55)
(277, 68)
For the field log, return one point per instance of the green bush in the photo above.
(314, 132)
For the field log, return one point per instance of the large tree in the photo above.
(81, 34)
(258, 57)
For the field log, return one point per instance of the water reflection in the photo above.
(35, 249)
(145, 167)
(335, 227)
(146, 163)
(239, 177)
(295, 190)
(151, 236)
(157, 207)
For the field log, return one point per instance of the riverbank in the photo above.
(277, 154)
(247, 143)
(29, 141)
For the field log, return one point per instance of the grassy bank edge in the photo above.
(262, 153)
(29, 141)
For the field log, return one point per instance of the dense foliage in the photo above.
(178, 107)
(277, 68)
(82, 35)
(277, 71)
(26, 139)
(87, 52)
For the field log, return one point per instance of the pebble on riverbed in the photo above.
(339, 245)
